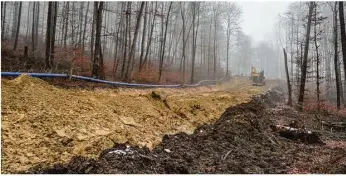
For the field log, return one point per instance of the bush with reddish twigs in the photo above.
(325, 107)
(150, 74)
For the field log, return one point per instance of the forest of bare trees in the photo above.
(128, 41)
(177, 42)
(313, 34)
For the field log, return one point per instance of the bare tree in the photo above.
(67, 12)
(195, 12)
(54, 20)
(184, 44)
(289, 102)
(81, 9)
(343, 36)
(336, 60)
(33, 37)
(49, 34)
(14, 20)
(132, 51)
(85, 24)
(305, 59)
(128, 11)
(18, 25)
(317, 60)
(98, 70)
(3, 19)
(216, 14)
(117, 43)
(150, 38)
(92, 43)
(228, 35)
(28, 25)
(164, 43)
(143, 36)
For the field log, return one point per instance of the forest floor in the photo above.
(240, 141)
(47, 122)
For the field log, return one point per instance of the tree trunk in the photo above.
(28, 25)
(106, 14)
(3, 20)
(98, 70)
(128, 40)
(132, 51)
(336, 62)
(289, 102)
(128, 34)
(53, 32)
(73, 25)
(48, 34)
(117, 45)
(317, 62)
(33, 28)
(343, 38)
(164, 43)
(194, 38)
(125, 41)
(215, 38)
(81, 9)
(14, 20)
(18, 25)
(209, 48)
(184, 43)
(36, 23)
(92, 43)
(228, 35)
(66, 23)
(150, 37)
(143, 36)
(42, 29)
(305, 60)
(85, 25)
(62, 23)
(292, 20)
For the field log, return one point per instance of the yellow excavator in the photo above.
(258, 79)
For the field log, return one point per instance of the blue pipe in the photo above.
(121, 83)
(40, 75)
(53, 75)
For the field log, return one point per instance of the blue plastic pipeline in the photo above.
(41, 75)
(121, 83)
(53, 75)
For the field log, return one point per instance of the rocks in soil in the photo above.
(303, 135)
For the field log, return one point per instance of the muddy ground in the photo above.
(50, 121)
(241, 141)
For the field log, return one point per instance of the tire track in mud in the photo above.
(45, 124)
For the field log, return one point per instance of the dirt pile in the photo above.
(42, 123)
(239, 142)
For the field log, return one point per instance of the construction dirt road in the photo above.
(43, 123)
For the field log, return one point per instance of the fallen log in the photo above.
(300, 134)
(334, 125)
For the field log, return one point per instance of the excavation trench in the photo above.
(240, 141)
(43, 123)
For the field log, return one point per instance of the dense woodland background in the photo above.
(178, 42)
(135, 41)
(313, 35)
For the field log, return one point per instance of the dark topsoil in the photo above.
(241, 141)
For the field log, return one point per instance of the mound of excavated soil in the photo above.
(239, 142)
(45, 124)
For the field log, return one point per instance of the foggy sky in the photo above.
(259, 16)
